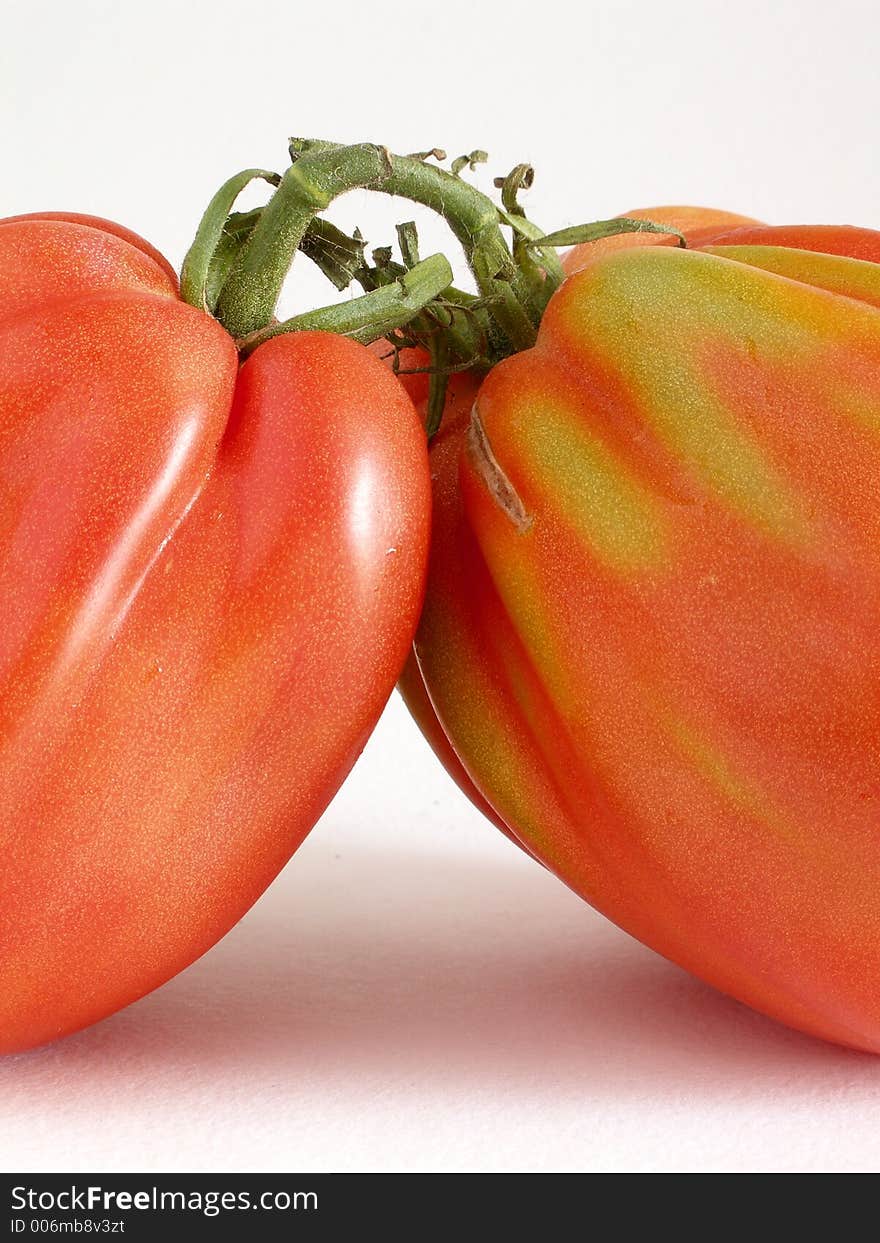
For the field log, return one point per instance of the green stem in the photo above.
(337, 255)
(238, 264)
(236, 232)
(247, 302)
(371, 316)
(320, 173)
(457, 315)
(545, 274)
(473, 218)
(197, 264)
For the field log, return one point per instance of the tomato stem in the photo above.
(474, 220)
(239, 261)
(371, 316)
(247, 302)
(223, 235)
(322, 171)
(195, 273)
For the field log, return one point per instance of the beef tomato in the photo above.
(209, 580)
(651, 638)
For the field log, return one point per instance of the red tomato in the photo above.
(651, 638)
(209, 580)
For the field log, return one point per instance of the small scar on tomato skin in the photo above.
(154, 668)
(487, 467)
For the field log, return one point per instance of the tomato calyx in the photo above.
(515, 280)
(253, 251)
(239, 261)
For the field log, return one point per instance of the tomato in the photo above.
(651, 636)
(209, 577)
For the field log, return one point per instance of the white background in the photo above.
(412, 993)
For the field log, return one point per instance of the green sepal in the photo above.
(196, 275)
(371, 316)
(594, 232)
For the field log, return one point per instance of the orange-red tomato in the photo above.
(651, 638)
(209, 579)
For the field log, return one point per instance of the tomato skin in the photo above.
(698, 224)
(652, 635)
(105, 227)
(211, 580)
(44, 260)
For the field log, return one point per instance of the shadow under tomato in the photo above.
(451, 969)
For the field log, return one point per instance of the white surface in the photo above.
(412, 993)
